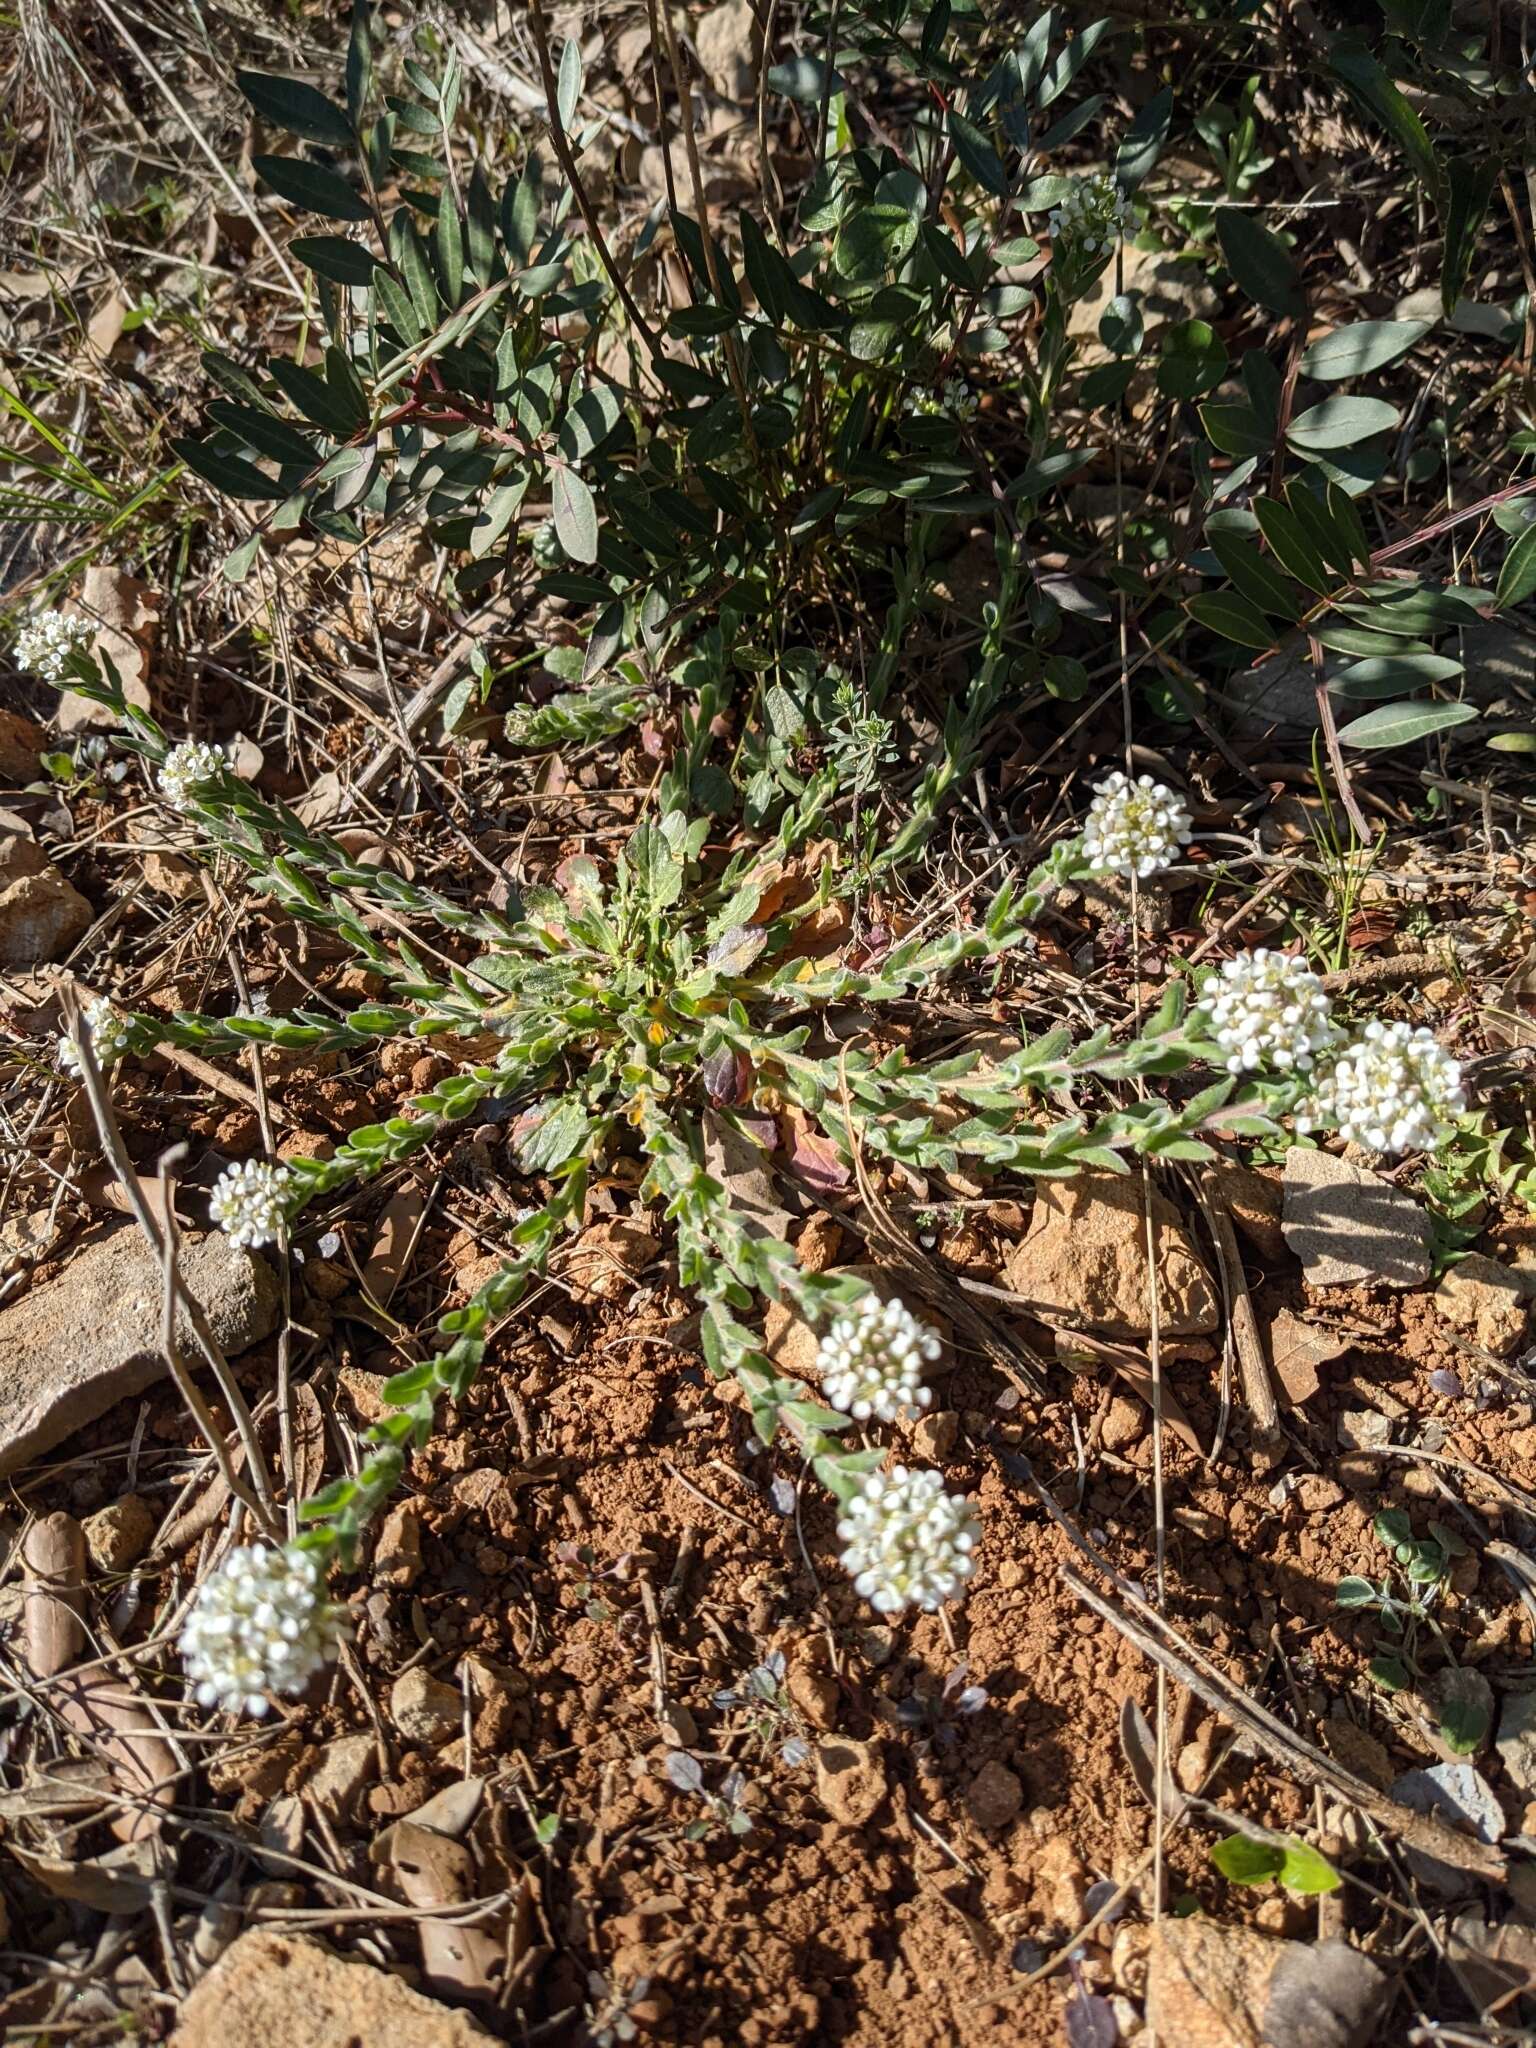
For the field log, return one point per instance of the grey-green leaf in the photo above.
(1398, 725)
(1340, 423)
(1364, 346)
(575, 514)
(1517, 578)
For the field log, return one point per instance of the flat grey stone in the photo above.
(74, 1347)
(1456, 1793)
(1347, 1225)
(1516, 1741)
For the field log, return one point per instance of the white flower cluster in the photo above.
(261, 1624)
(248, 1202)
(871, 1362)
(906, 1541)
(1093, 216)
(1268, 1009)
(45, 644)
(187, 764)
(1394, 1089)
(110, 1036)
(954, 398)
(1134, 828)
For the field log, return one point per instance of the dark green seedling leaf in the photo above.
(1108, 384)
(229, 376)
(1256, 578)
(1193, 360)
(264, 432)
(1290, 546)
(950, 261)
(1068, 61)
(1389, 1672)
(1329, 536)
(1370, 85)
(359, 60)
(1243, 1860)
(1121, 328)
(1259, 261)
(313, 396)
(1340, 423)
(1413, 612)
(1517, 577)
(448, 250)
(1144, 139)
(520, 202)
(977, 155)
(335, 257)
(291, 104)
(588, 422)
(1398, 725)
(575, 511)
(1469, 187)
(1357, 350)
(396, 305)
(231, 474)
(1233, 618)
(311, 186)
(1236, 430)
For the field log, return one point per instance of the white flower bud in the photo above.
(110, 1037)
(1268, 1010)
(248, 1202)
(47, 641)
(1394, 1089)
(871, 1361)
(261, 1624)
(1093, 216)
(187, 764)
(1134, 828)
(906, 1541)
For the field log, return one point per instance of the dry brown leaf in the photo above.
(103, 1711)
(125, 612)
(308, 1441)
(742, 1169)
(69, 1787)
(53, 1559)
(394, 1240)
(1296, 1350)
(431, 1871)
(118, 1882)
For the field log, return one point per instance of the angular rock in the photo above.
(346, 1766)
(726, 40)
(1456, 1793)
(1482, 1296)
(1213, 1986)
(271, 1988)
(72, 1349)
(118, 1535)
(41, 917)
(424, 1709)
(1347, 1225)
(20, 744)
(1168, 289)
(850, 1779)
(994, 1796)
(1084, 1261)
(1516, 1742)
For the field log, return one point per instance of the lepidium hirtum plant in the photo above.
(709, 491)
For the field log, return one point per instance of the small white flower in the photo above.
(871, 1361)
(1134, 828)
(47, 641)
(954, 398)
(261, 1624)
(1394, 1089)
(1268, 1010)
(906, 1541)
(1093, 216)
(110, 1037)
(187, 764)
(247, 1202)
